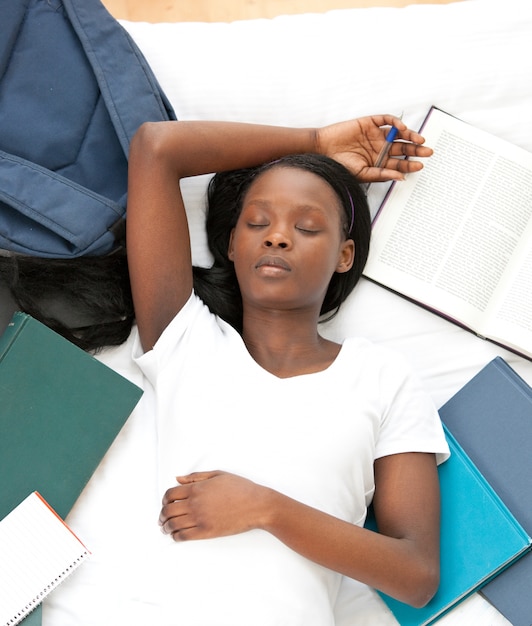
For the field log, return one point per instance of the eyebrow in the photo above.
(308, 208)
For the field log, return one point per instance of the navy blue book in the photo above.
(480, 536)
(491, 417)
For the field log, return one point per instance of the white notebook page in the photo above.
(37, 552)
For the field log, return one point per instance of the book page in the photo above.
(512, 319)
(450, 235)
(38, 551)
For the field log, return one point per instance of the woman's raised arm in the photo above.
(158, 243)
(163, 153)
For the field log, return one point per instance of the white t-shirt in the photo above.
(312, 437)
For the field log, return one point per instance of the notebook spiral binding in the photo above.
(34, 603)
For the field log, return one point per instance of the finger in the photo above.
(187, 534)
(173, 509)
(395, 170)
(177, 525)
(401, 148)
(407, 134)
(175, 493)
(381, 174)
(197, 476)
(389, 120)
(407, 167)
(387, 174)
(402, 165)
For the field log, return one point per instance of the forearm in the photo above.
(392, 565)
(161, 154)
(402, 560)
(194, 148)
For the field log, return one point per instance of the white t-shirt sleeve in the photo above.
(410, 421)
(173, 336)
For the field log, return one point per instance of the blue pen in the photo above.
(383, 154)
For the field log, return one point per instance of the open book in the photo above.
(38, 552)
(456, 237)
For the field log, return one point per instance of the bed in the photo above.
(473, 59)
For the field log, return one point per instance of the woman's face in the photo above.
(289, 240)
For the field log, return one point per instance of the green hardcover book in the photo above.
(60, 410)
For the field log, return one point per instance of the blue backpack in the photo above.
(74, 88)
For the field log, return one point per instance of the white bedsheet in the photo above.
(472, 59)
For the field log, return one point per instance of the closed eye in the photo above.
(307, 231)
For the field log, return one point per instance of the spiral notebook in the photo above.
(38, 552)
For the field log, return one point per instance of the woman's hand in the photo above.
(357, 144)
(402, 559)
(211, 504)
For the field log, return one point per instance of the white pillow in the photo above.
(471, 58)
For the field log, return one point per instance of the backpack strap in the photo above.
(107, 46)
(39, 219)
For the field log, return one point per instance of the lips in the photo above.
(273, 262)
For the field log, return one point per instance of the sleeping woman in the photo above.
(273, 441)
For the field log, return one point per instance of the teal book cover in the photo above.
(479, 538)
(60, 411)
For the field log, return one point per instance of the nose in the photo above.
(277, 239)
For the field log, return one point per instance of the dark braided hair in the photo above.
(87, 300)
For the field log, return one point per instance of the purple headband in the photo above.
(352, 211)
